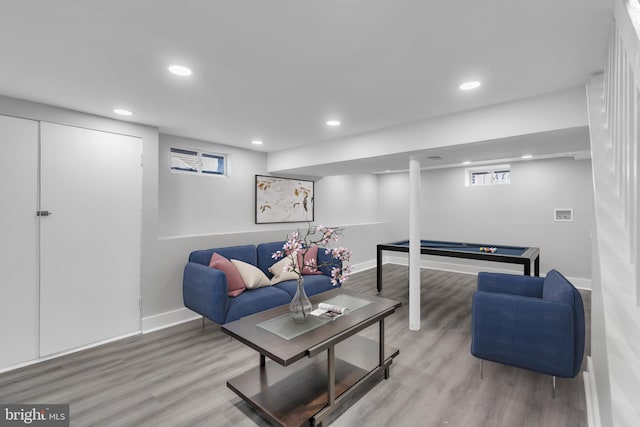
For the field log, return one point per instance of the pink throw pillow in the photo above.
(234, 280)
(311, 253)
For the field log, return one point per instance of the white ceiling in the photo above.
(572, 142)
(277, 70)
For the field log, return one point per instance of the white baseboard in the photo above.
(362, 266)
(149, 324)
(591, 395)
(165, 320)
(66, 352)
(579, 283)
(475, 269)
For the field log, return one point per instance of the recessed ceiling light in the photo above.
(466, 162)
(256, 142)
(474, 84)
(180, 70)
(527, 156)
(122, 112)
(333, 123)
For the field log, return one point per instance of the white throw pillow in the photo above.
(279, 273)
(251, 275)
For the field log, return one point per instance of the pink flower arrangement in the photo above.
(320, 236)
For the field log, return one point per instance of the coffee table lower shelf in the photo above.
(297, 394)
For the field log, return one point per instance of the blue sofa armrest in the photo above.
(528, 333)
(514, 284)
(205, 291)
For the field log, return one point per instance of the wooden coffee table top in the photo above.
(285, 352)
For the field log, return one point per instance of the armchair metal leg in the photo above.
(481, 368)
(553, 391)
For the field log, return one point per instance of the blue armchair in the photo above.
(529, 322)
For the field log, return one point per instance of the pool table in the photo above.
(524, 256)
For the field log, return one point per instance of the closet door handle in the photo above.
(43, 213)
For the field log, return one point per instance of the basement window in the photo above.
(488, 175)
(198, 162)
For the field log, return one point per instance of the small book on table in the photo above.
(329, 311)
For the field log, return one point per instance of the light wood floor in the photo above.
(177, 376)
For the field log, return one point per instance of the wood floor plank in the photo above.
(177, 376)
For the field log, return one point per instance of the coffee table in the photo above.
(294, 387)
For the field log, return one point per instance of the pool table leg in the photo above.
(379, 269)
(536, 267)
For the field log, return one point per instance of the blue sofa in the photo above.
(204, 289)
(533, 323)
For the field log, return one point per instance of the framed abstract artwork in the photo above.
(283, 200)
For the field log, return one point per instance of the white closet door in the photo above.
(19, 241)
(91, 182)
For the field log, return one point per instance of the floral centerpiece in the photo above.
(295, 249)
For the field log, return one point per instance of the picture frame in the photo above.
(280, 200)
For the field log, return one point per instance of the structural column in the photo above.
(414, 243)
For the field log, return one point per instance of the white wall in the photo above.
(192, 204)
(347, 199)
(351, 201)
(519, 214)
(197, 204)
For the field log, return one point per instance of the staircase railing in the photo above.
(622, 113)
(613, 377)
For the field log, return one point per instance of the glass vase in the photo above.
(300, 306)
